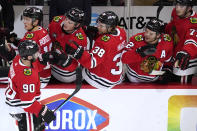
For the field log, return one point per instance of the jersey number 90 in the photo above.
(28, 88)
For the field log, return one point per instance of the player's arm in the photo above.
(129, 54)
(87, 59)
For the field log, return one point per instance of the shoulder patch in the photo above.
(30, 35)
(79, 36)
(138, 38)
(105, 38)
(167, 37)
(193, 20)
(27, 71)
(57, 18)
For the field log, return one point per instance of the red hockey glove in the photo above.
(74, 49)
(183, 59)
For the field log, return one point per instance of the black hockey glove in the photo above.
(183, 59)
(146, 50)
(90, 31)
(46, 114)
(74, 49)
(56, 58)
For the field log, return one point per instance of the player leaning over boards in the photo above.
(63, 29)
(102, 64)
(183, 20)
(23, 91)
(32, 18)
(147, 52)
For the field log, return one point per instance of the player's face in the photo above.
(27, 23)
(102, 28)
(180, 10)
(69, 25)
(150, 36)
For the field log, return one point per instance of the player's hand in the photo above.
(74, 49)
(182, 60)
(90, 31)
(146, 50)
(46, 114)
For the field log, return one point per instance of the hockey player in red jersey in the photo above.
(23, 91)
(102, 64)
(183, 19)
(63, 29)
(32, 18)
(147, 52)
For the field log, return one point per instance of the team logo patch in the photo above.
(105, 38)
(27, 71)
(138, 38)
(75, 115)
(167, 37)
(56, 18)
(79, 36)
(30, 35)
(193, 20)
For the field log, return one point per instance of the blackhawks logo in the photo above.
(30, 35)
(167, 37)
(79, 36)
(139, 38)
(105, 38)
(193, 20)
(27, 72)
(56, 18)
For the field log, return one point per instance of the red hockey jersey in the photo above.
(58, 35)
(190, 46)
(180, 26)
(163, 53)
(42, 38)
(103, 64)
(23, 90)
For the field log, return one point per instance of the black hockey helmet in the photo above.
(185, 2)
(155, 25)
(33, 12)
(108, 18)
(27, 48)
(75, 15)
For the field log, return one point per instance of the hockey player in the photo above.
(32, 18)
(62, 29)
(147, 52)
(102, 64)
(23, 91)
(184, 19)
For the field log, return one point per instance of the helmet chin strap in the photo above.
(186, 12)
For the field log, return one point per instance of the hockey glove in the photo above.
(46, 114)
(90, 31)
(74, 49)
(182, 60)
(56, 58)
(146, 50)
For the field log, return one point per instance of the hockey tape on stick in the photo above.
(78, 87)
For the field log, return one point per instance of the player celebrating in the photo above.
(32, 18)
(103, 67)
(63, 29)
(147, 52)
(23, 90)
(183, 14)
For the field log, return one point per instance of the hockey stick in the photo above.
(78, 87)
(159, 10)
